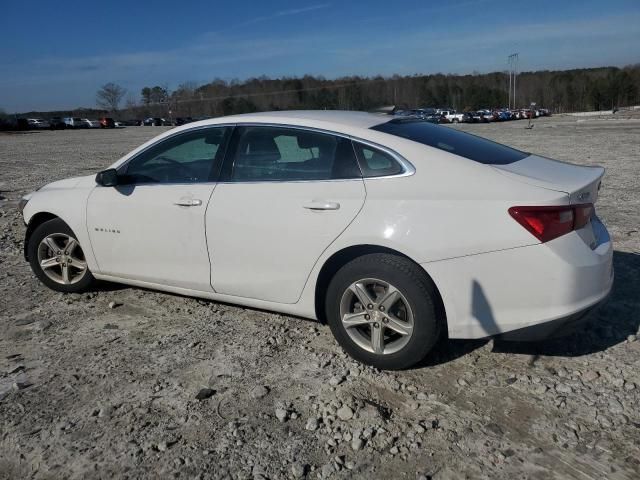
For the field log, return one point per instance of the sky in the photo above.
(55, 55)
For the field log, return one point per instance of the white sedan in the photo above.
(394, 231)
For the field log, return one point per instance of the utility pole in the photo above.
(509, 92)
(512, 60)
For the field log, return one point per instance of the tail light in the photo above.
(549, 222)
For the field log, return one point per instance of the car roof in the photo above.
(313, 118)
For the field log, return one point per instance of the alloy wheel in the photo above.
(376, 316)
(61, 259)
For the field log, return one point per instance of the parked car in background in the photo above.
(183, 121)
(397, 113)
(56, 123)
(451, 115)
(91, 123)
(74, 122)
(37, 123)
(433, 118)
(486, 115)
(153, 122)
(345, 204)
(424, 112)
(128, 123)
(503, 115)
(13, 124)
(467, 117)
(107, 122)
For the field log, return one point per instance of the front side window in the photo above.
(289, 154)
(186, 158)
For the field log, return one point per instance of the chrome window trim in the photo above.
(407, 167)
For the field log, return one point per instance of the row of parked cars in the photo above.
(63, 123)
(56, 123)
(449, 115)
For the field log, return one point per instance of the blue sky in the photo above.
(57, 54)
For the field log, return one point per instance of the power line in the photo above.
(275, 92)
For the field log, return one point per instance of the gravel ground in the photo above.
(129, 383)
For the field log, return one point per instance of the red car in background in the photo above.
(107, 122)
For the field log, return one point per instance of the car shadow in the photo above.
(609, 325)
(105, 286)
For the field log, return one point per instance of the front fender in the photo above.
(68, 204)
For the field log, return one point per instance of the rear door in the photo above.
(284, 196)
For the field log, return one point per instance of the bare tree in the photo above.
(130, 103)
(110, 95)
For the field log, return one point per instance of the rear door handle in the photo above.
(321, 205)
(189, 203)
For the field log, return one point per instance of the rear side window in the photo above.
(453, 141)
(264, 154)
(376, 163)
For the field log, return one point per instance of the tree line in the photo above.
(559, 90)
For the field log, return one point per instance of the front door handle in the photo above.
(321, 205)
(194, 202)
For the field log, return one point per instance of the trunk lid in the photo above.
(579, 182)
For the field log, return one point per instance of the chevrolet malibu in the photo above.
(394, 231)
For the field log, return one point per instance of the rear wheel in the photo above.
(57, 259)
(381, 310)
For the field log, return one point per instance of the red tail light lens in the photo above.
(549, 222)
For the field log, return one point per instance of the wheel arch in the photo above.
(34, 222)
(345, 255)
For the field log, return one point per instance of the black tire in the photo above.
(55, 226)
(416, 287)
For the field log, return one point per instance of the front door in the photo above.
(151, 226)
(285, 195)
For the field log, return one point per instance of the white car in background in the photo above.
(393, 230)
(91, 123)
(38, 123)
(74, 122)
(451, 115)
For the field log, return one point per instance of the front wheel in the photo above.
(57, 259)
(381, 309)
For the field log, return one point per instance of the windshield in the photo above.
(453, 141)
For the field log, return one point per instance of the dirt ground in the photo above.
(89, 391)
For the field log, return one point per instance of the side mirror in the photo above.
(107, 178)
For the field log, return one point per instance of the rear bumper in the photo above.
(554, 329)
(550, 284)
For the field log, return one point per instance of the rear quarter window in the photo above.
(453, 141)
(375, 163)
